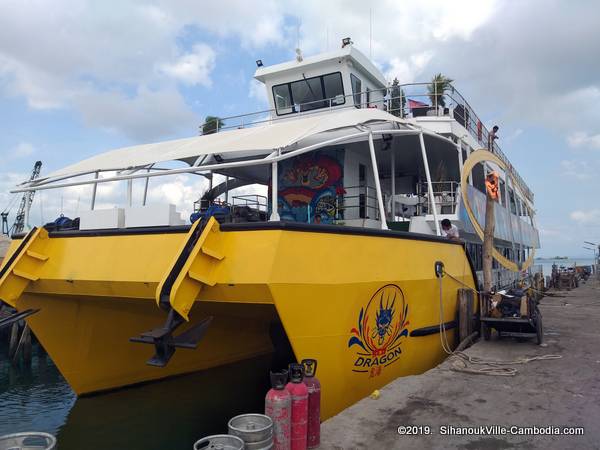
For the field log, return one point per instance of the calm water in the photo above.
(168, 414)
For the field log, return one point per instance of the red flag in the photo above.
(412, 104)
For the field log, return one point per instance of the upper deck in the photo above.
(346, 79)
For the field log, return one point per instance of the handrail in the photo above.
(458, 108)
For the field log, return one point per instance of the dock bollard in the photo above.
(31, 440)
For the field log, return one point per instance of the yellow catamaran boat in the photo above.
(338, 261)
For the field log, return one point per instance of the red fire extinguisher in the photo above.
(314, 402)
(299, 393)
(278, 406)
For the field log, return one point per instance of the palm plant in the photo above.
(212, 124)
(439, 85)
(398, 99)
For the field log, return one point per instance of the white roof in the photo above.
(356, 56)
(255, 141)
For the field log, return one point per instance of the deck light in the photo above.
(259, 63)
(346, 41)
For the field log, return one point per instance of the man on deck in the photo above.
(450, 231)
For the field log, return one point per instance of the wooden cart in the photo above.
(529, 326)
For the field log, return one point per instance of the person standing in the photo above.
(492, 137)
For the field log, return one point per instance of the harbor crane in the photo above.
(23, 211)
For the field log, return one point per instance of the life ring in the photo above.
(476, 157)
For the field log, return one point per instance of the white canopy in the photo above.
(253, 140)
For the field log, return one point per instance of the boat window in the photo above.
(478, 177)
(334, 88)
(513, 204)
(502, 190)
(356, 89)
(309, 93)
(283, 98)
(306, 94)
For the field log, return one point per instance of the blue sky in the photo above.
(82, 77)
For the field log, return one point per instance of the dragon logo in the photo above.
(381, 325)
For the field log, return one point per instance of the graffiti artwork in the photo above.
(381, 325)
(310, 186)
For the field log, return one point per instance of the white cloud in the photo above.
(147, 115)
(258, 92)
(581, 139)
(408, 69)
(579, 169)
(193, 68)
(588, 217)
(22, 150)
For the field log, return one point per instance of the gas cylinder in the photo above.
(299, 392)
(314, 402)
(278, 406)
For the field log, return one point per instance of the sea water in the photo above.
(168, 414)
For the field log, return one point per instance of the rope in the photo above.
(461, 360)
(10, 204)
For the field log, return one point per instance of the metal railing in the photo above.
(358, 202)
(445, 194)
(255, 201)
(397, 101)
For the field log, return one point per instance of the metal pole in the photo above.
(94, 189)
(129, 192)
(435, 94)
(460, 166)
(393, 162)
(26, 222)
(146, 190)
(377, 184)
(429, 185)
(274, 192)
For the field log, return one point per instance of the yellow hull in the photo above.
(95, 292)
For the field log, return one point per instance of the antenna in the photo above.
(370, 33)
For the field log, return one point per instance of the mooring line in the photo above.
(493, 366)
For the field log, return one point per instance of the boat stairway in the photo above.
(192, 269)
(23, 266)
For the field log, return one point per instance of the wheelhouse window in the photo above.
(309, 94)
(283, 98)
(356, 89)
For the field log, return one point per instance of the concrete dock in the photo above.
(557, 392)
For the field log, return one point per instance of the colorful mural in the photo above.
(310, 187)
(381, 325)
